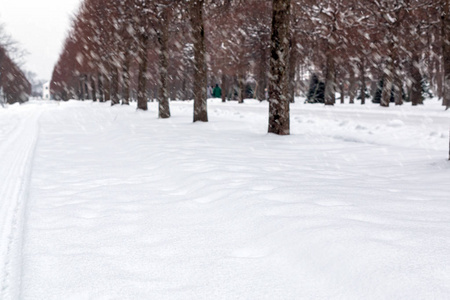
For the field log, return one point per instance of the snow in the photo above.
(101, 202)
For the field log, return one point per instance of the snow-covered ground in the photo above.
(100, 202)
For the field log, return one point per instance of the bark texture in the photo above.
(126, 80)
(142, 78)
(224, 87)
(279, 122)
(241, 85)
(416, 85)
(200, 75)
(115, 97)
(445, 17)
(351, 87)
(330, 81)
(362, 75)
(163, 39)
(388, 81)
(107, 86)
(292, 71)
(93, 89)
(100, 87)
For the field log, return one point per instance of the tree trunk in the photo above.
(142, 78)
(93, 89)
(341, 87)
(234, 87)
(163, 38)
(351, 87)
(330, 81)
(278, 83)
(86, 86)
(445, 18)
(126, 79)
(416, 84)
(107, 86)
(362, 74)
(439, 78)
(82, 92)
(100, 87)
(387, 83)
(115, 97)
(200, 75)
(224, 88)
(241, 85)
(184, 95)
(292, 70)
(398, 90)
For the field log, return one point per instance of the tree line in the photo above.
(120, 50)
(14, 86)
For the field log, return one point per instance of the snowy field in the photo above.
(100, 202)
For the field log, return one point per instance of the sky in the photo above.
(40, 27)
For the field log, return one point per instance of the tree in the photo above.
(278, 79)
(164, 15)
(200, 76)
(13, 82)
(445, 36)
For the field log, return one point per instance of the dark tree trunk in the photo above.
(163, 38)
(362, 75)
(234, 87)
(115, 97)
(224, 88)
(292, 70)
(390, 73)
(82, 89)
(279, 122)
(445, 25)
(351, 87)
(126, 79)
(398, 90)
(388, 81)
(93, 89)
(85, 87)
(184, 95)
(341, 87)
(416, 84)
(241, 86)
(200, 75)
(398, 87)
(100, 87)
(439, 78)
(330, 81)
(107, 85)
(142, 78)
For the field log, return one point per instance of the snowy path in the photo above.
(121, 205)
(19, 137)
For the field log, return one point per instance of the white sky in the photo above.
(40, 26)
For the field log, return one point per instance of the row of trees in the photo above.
(142, 49)
(14, 86)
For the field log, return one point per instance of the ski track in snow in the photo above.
(16, 152)
(121, 205)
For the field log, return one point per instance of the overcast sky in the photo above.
(40, 26)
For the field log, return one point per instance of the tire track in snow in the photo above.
(15, 174)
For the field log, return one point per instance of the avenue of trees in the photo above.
(14, 86)
(124, 50)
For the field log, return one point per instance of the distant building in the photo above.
(46, 91)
